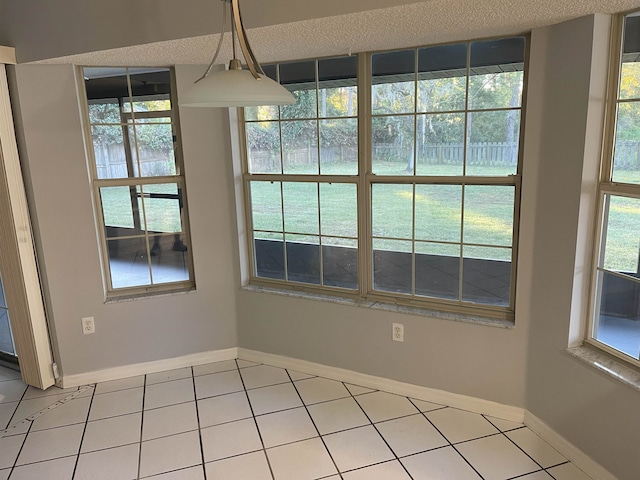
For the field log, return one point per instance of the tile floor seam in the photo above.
(195, 401)
(144, 391)
(424, 414)
(522, 450)
(255, 422)
(376, 428)
(525, 474)
(24, 441)
(84, 431)
(16, 409)
(306, 407)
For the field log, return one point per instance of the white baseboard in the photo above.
(567, 449)
(145, 368)
(486, 407)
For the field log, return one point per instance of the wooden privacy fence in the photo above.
(627, 155)
(269, 160)
(111, 161)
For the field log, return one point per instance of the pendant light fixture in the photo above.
(236, 87)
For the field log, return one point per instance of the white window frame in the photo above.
(364, 181)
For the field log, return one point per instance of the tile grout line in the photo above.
(449, 442)
(144, 398)
(253, 416)
(195, 401)
(314, 423)
(20, 451)
(2, 432)
(84, 431)
(378, 431)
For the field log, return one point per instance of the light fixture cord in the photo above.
(215, 55)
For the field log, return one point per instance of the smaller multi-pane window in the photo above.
(137, 176)
(615, 322)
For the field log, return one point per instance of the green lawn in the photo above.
(438, 214)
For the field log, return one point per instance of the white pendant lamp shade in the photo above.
(236, 88)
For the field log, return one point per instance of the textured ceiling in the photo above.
(429, 22)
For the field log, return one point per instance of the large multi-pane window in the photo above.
(138, 180)
(616, 304)
(394, 177)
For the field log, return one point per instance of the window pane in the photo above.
(486, 275)
(442, 75)
(338, 102)
(154, 148)
(392, 266)
(622, 242)
(154, 104)
(263, 147)
(339, 147)
(109, 151)
(438, 212)
(128, 262)
(340, 262)
(300, 79)
(261, 113)
(488, 215)
(300, 147)
(618, 322)
(392, 211)
(104, 112)
(169, 261)
(440, 140)
(393, 87)
(437, 270)
(266, 206)
(303, 258)
(337, 80)
(105, 82)
(495, 90)
(492, 147)
(149, 82)
(300, 207)
(117, 209)
(626, 166)
(339, 209)
(269, 255)
(162, 207)
(392, 149)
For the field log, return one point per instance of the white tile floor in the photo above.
(239, 420)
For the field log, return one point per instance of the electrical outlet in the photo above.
(88, 325)
(397, 332)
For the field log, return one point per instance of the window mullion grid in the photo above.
(141, 194)
(365, 242)
(463, 185)
(414, 171)
(317, 121)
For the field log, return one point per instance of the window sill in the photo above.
(604, 363)
(389, 307)
(143, 296)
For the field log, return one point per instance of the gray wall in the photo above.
(142, 330)
(595, 412)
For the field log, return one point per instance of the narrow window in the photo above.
(615, 324)
(138, 180)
